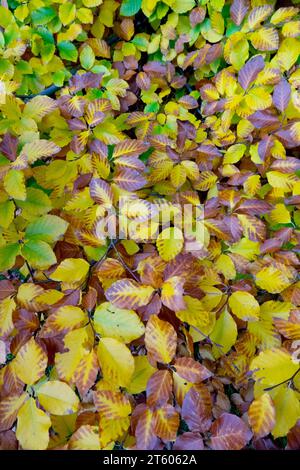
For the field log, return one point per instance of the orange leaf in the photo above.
(160, 339)
(159, 388)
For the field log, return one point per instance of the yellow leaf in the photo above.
(142, 373)
(281, 180)
(7, 307)
(34, 151)
(160, 339)
(63, 427)
(86, 373)
(264, 333)
(246, 248)
(280, 215)
(112, 430)
(272, 280)
(121, 324)
(287, 54)
(252, 185)
(129, 294)
(207, 180)
(225, 266)
(64, 319)
(196, 314)
(178, 176)
(38, 107)
(258, 99)
(7, 213)
(261, 415)
(287, 409)
(244, 306)
(265, 39)
(112, 405)
(234, 153)
(57, 398)
(26, 295)
(30, 362)
(14, 184)
(85, 438)
(116, 362)
(258, 15)
(283, 14)
(169, 243)
(224, 334)
(32, 427)
(273, 366)
(71, 271)
(66, 363)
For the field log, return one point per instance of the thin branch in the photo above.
(49, 91)
(30, 271)
(103, 257)
(124, 264)
(283, 382)
(206, 337)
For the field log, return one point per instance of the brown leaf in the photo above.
(229, 432)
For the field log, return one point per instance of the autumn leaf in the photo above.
(196, 409)
(244, 306)
(128, 294)
(149, 225)
(30, 362)
(121, 324)
(160, 339)
(116, 361)
(32, 427)
(229, 432)
(159, 388)
(262, 415)
(71, 272)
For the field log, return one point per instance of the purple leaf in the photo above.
(250, 70)
(238, 10)
(263, 119)
(265, 146)
(86, 80)
(281, 95)
(196, 409)
(189, 441)
(8, 146)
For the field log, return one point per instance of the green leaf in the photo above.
(67, 12)
(7, 212)
(87, 57)
(38, 254)
(182, 6)
(48, 228)
(67, 51)
(43, 15)
(8, 254)
(119, 323)
(6, 17)
(37, 203)
(14, 184)
(130, 7)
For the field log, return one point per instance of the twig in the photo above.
(49, 91)
(283, 382)
(124, 264)
(206, 337)
(30, 271)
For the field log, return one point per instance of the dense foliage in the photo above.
(157, 339)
